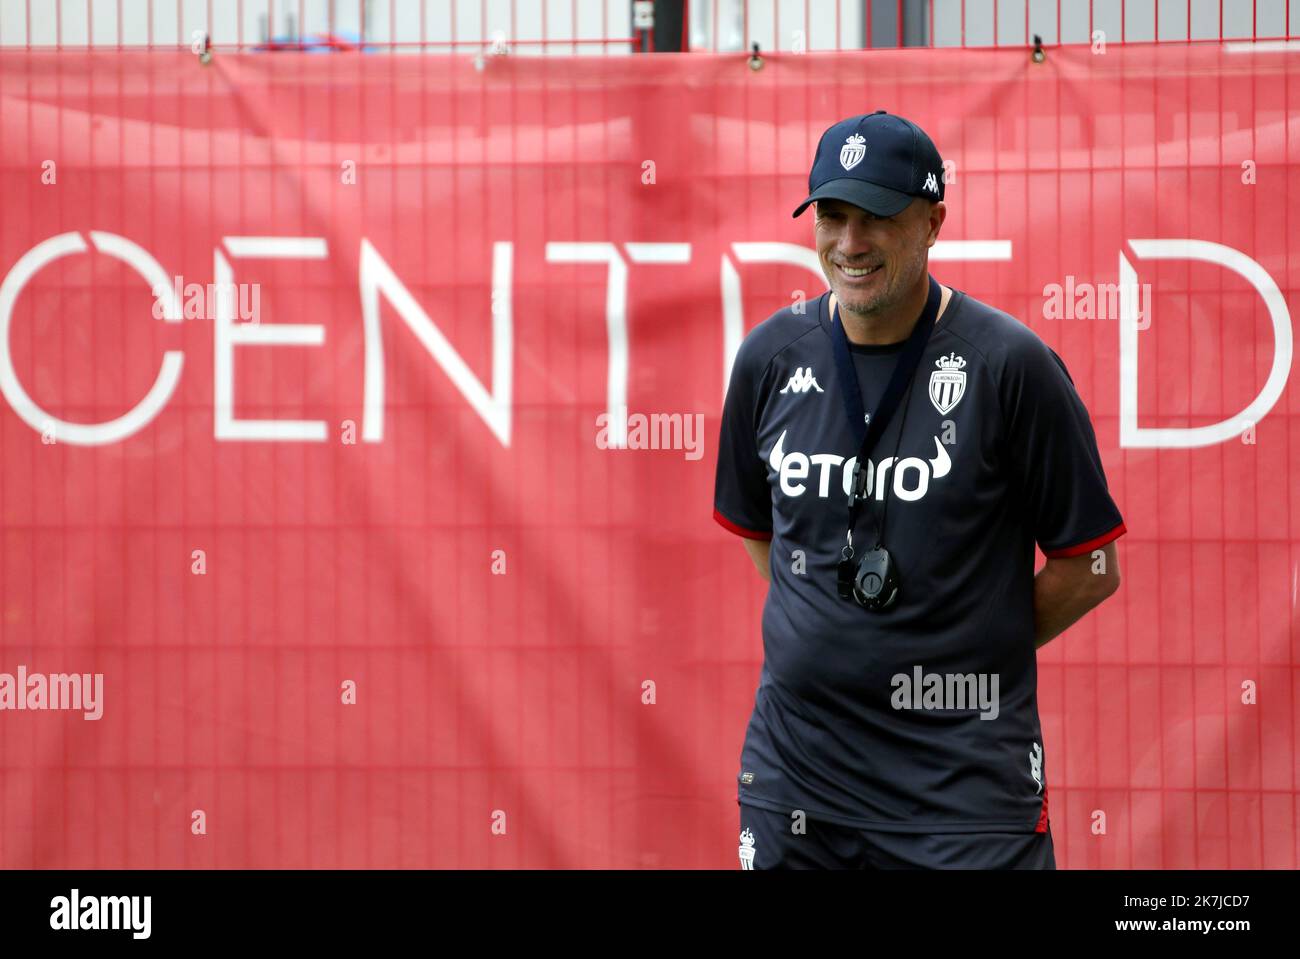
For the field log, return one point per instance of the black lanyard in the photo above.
(904, 370)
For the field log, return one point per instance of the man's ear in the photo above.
(938, 212)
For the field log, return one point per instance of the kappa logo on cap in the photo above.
(854, 149)
(931, 183)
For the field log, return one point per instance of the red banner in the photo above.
(359, 419)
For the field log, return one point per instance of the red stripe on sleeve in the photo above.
(739, 530)
(1089, 546)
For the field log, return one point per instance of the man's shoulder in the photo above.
(784, 328)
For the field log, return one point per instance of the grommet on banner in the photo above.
(498, 48)
(755, 61)
(1039, 55)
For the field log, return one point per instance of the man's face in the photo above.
(894, 248)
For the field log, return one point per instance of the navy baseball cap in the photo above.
(877, 161)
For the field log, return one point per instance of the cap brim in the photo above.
(873, 198)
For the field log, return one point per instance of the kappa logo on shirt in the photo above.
(1036, 765)
(802, 381)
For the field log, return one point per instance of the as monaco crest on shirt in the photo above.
(948, 383)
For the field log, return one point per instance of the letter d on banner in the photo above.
(1130, 435)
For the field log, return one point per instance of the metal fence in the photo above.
(622, 27)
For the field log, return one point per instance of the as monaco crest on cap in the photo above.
(948, 383)
(883, 161)
(854, 149)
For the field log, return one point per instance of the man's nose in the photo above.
(855, 239)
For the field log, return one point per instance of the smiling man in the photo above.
(896, 718)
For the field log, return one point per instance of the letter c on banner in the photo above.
(140, 260)
(1130, 435)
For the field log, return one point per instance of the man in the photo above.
(904, 734)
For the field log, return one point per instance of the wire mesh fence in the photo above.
(622, 27)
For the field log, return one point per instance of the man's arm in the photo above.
(1065, 589)
(760, 551)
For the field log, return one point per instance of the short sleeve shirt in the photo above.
(922, 717)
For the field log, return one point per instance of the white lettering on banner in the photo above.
(227, 334)
(1130, 434)
(376, 279)
(616, 309)
(139, 416)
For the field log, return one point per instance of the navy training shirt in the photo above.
(923, 717)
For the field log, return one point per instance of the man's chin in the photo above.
(861, 305)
